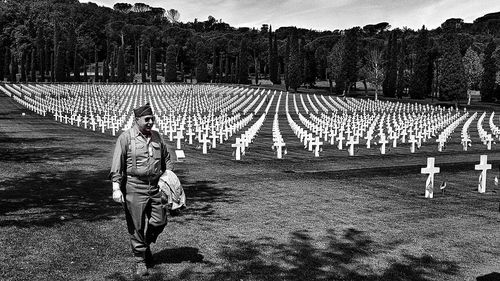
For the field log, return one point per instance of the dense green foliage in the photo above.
(65, 40)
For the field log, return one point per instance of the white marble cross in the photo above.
(465, 143)
(179, 137)
(308, 141)
(238, 145)
(413, 141)
(488, 139)
(85, 121)
(351, 144)
(214, 136)
(204, 140)
(279, 144)
(383, 141)
(441, 140)
(190, 135)
(368, 138)
(429, 183)
(483, 166)
(340, 138)
(317, 143)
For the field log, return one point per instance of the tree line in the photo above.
(69, 41)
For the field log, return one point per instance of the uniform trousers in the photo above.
(147, 215)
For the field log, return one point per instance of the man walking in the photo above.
(140, 158)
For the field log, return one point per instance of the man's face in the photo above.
(145, 123)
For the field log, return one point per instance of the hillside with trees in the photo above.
(69, 41)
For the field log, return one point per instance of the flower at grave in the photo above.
(443, 185)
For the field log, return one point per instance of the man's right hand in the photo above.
(118, 196)
(117, 193)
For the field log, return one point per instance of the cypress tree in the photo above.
(309, 67)
(273, 60)
(420, 78)
(286, 60)
(112, 69)
(142, 56)
(162, 63)
(402, 81)
(154, 76)
(23, 66)
(2, 61)
(270, 52)
(243, 63)
(171, 68)
(6, 63)
(349, 70)
(121, 75)
(96, 64)
(295, 64)
(105, 70)
(390, 83)
(15, 69)
(59, 64)
(33, 65)
(201, 63)
(452, 84)
(76, 65)
(276, 62)
(488, 78)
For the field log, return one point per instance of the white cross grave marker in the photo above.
(429, 183)
(279, 144)
(239, 144)
(317, 143)
(483, 166)
(179, 137)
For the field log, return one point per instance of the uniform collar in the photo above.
(138, 133)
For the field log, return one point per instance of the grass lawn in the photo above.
(333, 217)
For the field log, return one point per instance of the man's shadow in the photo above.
(179, 255)
(494, 276)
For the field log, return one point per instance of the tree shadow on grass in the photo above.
(155, 276)
(45, 199)
(49, 198)
(45, 154)
(201, 195)
(343, 258)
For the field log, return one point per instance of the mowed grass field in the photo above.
(333, 217)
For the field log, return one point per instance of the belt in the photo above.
(151, 180)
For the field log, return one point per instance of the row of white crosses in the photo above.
(357, 126)
(108, 108)
(486, 138)
(445, 134)
(465, 136)
(431, 170)
(494, 128)
(242, 143)
(246, 138)
(278, 142)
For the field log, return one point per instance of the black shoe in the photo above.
(149, 258)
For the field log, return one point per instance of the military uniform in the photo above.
(138, 163)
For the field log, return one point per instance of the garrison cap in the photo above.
(143, 110)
